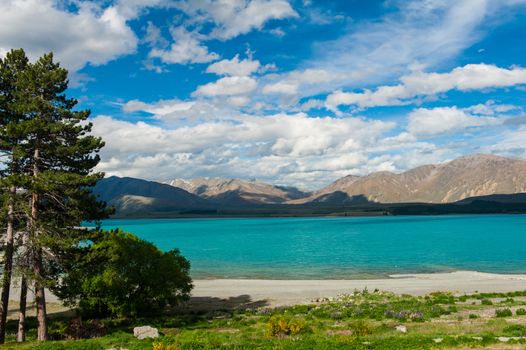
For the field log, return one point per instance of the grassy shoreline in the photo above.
(365, 319)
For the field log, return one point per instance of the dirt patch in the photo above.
(225, 330)
(340, 332)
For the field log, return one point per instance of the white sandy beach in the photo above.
(216, 293)
(288, 292)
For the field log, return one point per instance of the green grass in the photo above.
(361, 320)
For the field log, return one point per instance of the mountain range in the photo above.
(461, 181)
(469, 176)
(237, 191)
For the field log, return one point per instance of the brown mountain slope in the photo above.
(469, 176)
(236, 191)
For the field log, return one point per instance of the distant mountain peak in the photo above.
(464, 177)
(237, 191)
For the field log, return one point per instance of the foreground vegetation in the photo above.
(362, 320)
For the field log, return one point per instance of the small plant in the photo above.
(486, 302)
(473, 316)
(520, 312)
(162, 346)
(503, 312)
(281, 325)
(361, 328)
(516, 330)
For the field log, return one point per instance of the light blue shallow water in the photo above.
(312, 248)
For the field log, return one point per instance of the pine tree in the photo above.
(51, 156)
(63, 155)
(11, 69)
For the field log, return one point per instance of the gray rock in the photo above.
(401, 328)
(145, 332)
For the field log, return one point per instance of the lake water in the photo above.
(327, 248)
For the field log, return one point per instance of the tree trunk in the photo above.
(38, 266)
(40, 297)
(8, 263)
(21, 335)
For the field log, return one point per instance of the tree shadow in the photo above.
(209, 303)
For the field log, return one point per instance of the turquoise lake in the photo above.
(334, 248)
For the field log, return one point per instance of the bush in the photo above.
(516, 330)
(281, 325)
(473, 316)
(486, 302)
(520, 312)
(503, 313)
(122, 275)
(361, 328)
(89, 329)
(162, 346)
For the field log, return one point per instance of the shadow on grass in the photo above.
(238, 303)
(195, 313)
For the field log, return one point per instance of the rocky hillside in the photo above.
(470, 176)
(130, 195)
(237, 192)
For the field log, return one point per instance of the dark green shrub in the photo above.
(503, 313)
(516, 330)
(473, 316)
(520, 312)
(121, 274)
(486, 302)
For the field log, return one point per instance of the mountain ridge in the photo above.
(237, 191)
(475, 181)
(467, 176)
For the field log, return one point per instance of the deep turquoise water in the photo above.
(305, 248)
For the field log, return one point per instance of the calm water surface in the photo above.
(312, 248)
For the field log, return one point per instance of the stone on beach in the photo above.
(401, 328)
(145, 332)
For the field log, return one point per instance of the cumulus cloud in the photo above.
(234, 67)
(466, 78)
(176, 111)
(281, 87)
(236, 17)
(91, 34)
(285, 148)
(227, 86)
(186, 48)
(510, 143)
(290, 83)
(432, 122)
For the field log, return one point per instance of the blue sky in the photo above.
(290, 92)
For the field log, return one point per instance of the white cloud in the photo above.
(281, 87)
(227, 86)
(186, 48)
(178, 112)
(290, 83)
(238, 101)
(235, 17)
(234, 67)
(90, 35)
(285, 148)
(153, 36)
(510, 143)
(425, 122)
(160, 108)
(413, 33)
(466, 78)
(491, 108)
